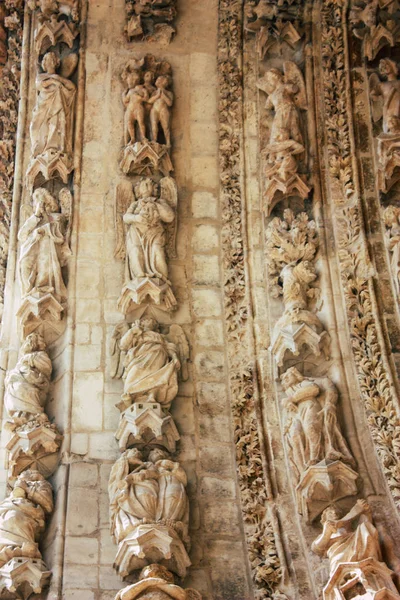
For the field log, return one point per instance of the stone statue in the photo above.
(143, 492)
(156, 583)
(391, 218)
(149, 361)
(148, 101)
(341, 542)
(312, 430)
(27, 384)
(286, 146)
(147, 214)
(386, 96)
(52, 124)
(52, 119)
(44, 247)
(134, 100)
(22, 516)
(150, 20)
(160, 114)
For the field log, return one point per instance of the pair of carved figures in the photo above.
(149, 511)
(286, 145)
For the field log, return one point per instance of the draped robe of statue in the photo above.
(52, 119)
(44, 251)
(342, 543)
(151, 365)
(146, 238)
(286, 122)
(146, 492)
(28, 382)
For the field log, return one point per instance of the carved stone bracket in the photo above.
(376, 23)
(156, 578)
(145, 424)
(21, 577)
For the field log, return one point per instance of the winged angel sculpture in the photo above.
(286, 146)
(149, 361)
(146, 227)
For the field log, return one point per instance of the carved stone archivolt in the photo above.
(150, 20)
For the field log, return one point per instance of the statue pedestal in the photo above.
(145, 424)
(295, 330)
(389, 160)
(278, 187)
(364, 580)
(21, 577)
(150, 290)
(146, 158)
(148, 544)
(322, 484)
(34, 445)
(43, 315)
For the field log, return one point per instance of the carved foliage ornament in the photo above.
(260, 533)
(373, 371)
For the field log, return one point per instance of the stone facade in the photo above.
(199, 342)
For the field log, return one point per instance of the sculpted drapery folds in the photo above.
(391, 217)
(22, 516)
(52, 124)
(44, 246)
(311, 425)
(148, 361)
(27, 384)
(156, 583)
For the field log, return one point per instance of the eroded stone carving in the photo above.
(143, 217)
(22, 520)
(318, 453)
(150, 20)
(35, 441)
(9, 103)
(351, 544)
(148, 102)
(44, 251)
(149, 512)
(286, 146)
(391, 217)
(149, 363)
(262, 533)
(291, 247)
(156, 583)
(375, 22)
(52, 123)
(374, 376)
(274, 23)
(57, 23)
(385, 97)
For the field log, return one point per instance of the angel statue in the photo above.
(312, 429)
(52, 125)
(141, 219)
(44, 245)
(149, 361)
(22, 516)
(27, 384)
(156, 583)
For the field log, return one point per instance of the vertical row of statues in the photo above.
(149, 507)
(321, 463)
(43, 252)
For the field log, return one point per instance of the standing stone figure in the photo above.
(391, 217)
(22, 516)
(52, 120)
(312, 430)
(27, 384)
(386, 96)
(134, 100)
(44, 249)
(160, 113)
